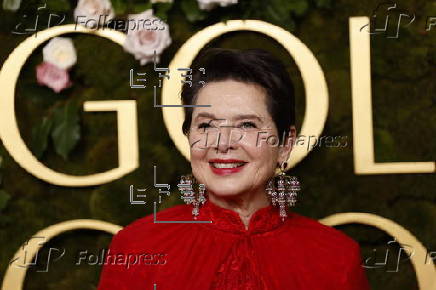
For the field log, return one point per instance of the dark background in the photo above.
(404, 112)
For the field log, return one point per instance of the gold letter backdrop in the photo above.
(315, 116)
(363, 137)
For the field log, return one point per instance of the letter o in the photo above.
(93, 26)
(92, 259)
(425, 273)
(14, 277)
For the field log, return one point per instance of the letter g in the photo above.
(10, 135)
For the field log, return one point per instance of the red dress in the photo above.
(299, 253)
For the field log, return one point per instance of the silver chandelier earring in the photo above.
(189, 196)
(283, 189)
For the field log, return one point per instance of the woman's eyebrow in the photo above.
(248, 116)
(205, 115)
(238, 117)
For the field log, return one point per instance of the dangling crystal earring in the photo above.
(283, 189)
(188, 194)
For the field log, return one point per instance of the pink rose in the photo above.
(93, 13)
(152, 35)
(52, 76)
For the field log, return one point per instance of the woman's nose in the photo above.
(227, 138)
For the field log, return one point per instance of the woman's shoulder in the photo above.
(323, 244)
(173, 213)
(153, 225)
(312, 229)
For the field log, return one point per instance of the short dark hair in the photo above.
(251, 66)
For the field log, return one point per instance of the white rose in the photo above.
(60, 52)
(210, 4)
(148, 35)
(93, 12)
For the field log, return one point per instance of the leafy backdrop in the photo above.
(69, 140)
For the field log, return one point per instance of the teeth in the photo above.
(227, 165)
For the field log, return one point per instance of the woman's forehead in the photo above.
(231, 88)
(237, 116)
(231, 98)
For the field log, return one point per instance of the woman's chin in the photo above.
(225, 192)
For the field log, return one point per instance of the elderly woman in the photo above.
(235, 232)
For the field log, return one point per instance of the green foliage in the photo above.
(161, 10)
(63, 127)
(66, 128)
(279, 12)
(4, 198)
(297, 7)
(41, 94)
(324, 3)
(192, 11)
(141, 7)
(119, 6)
(384, 144)
(40, 133)
(58, 5)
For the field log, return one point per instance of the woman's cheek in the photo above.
(198, 168)
(267, 155)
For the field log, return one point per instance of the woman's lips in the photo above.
(226, 171)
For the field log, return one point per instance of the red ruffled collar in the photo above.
(263, 220)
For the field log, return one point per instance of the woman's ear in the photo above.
(287, 145)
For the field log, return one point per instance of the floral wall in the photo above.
(63, 73)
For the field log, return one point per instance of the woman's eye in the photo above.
(203, 125)
(248, 125)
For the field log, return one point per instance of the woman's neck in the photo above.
(245, 204)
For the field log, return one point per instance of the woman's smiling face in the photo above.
(227, 155)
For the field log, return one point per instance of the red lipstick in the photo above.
(226, 171)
